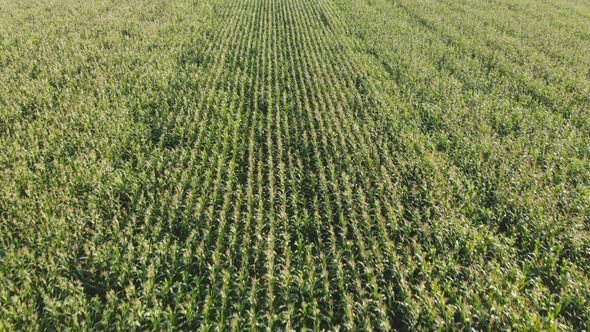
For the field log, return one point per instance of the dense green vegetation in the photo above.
(295, 164)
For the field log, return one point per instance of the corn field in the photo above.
(294, 165)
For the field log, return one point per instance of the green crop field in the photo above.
(294, 165)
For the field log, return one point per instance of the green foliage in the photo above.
(297, 165)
